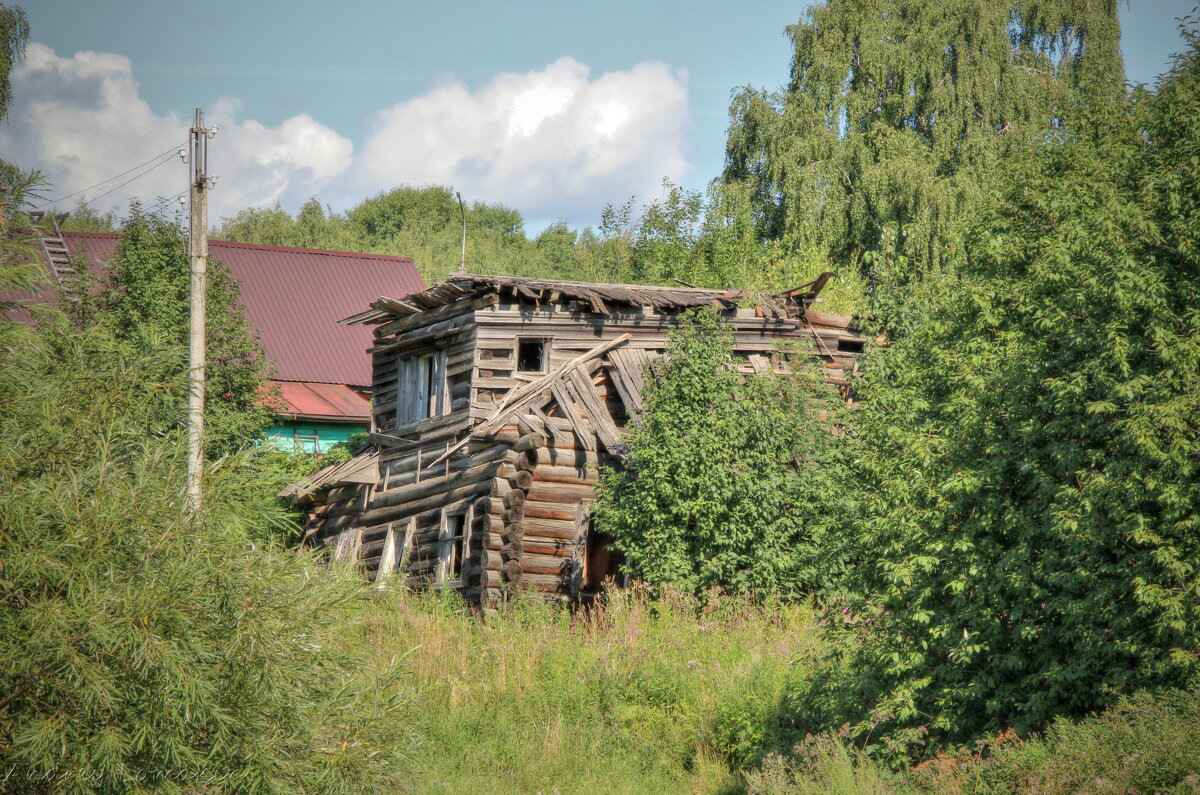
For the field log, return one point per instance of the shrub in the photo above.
(1025, 469)
(728, 477)
(146, 649)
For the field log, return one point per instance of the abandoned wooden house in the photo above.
(496, 399)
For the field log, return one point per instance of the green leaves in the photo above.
(1025, 461)
(142, 298)
(898, 116)
(145, 649)
(728, 475)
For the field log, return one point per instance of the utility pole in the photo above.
(198, 252)
(462, 263)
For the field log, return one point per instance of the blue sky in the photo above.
(552, 107)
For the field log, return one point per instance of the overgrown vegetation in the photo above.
(143, 295)
(1025, 463)
(879, 151)
(730, 479)
(145, 648)
(639, 696)
(707, 240)
(985, 582)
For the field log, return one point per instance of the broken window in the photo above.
(452, 548)
(422, 385)
(531, 356)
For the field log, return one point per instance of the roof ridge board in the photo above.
(553, 283)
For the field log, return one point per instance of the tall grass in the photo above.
(636, 696)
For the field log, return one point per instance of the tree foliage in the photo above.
(14, 32)
(880, 148)
(728, 476)
(143, 648)
(704, 239)
(1026, 462)
(143, 294)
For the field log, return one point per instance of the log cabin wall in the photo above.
(496, 402)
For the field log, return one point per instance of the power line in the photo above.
(126, 182)
(162, 204)
(170, 151)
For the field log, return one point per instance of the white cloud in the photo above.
(552, 143)
(81, 120)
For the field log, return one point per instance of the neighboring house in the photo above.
(496, 400)
(294, 298)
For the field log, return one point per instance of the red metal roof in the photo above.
(294, 298)
(324, 401)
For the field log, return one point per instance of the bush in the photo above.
(1025, 469)
(146, 649)
(729, 478)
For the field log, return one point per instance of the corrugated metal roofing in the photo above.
(327, 401)
(294, 298)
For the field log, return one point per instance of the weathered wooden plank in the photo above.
(597, 412)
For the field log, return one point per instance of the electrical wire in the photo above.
(162, 204)
(170, 151)
(126, 182)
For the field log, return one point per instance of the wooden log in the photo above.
(510, 435)
(558, 548)
(433, 315)
(566, 493)
(514, 515)
(417, 335)
(513, 571)
(543, 510)
(545, 564)
(550, 529)
(393, 513)
(514, 499)
(425, 488)
(513, 532)
(527, 460)
(567, 457)
(409, 475)
(550, 472)
(513, 550)
(521, 479)
(530, 441)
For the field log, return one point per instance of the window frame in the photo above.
(421, 389)
(454, 527)
(545, 357)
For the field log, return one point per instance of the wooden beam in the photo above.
(518, 398)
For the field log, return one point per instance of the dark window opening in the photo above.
(456, 557)
(453, 549)
(850, 346)
(531, 356)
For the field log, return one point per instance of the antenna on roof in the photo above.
(462, 263)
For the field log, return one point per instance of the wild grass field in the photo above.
(638, 696)
(646, 696)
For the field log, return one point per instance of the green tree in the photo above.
(1026, 459)
(143, 294)
(14, 32)
(728, 475)
(147, 649)
(879, 150)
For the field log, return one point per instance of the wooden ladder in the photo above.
(55, 249)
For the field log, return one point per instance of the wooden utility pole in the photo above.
(462, 263)
(198, 252)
